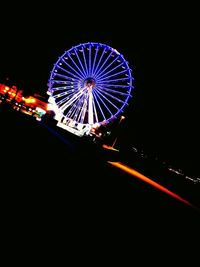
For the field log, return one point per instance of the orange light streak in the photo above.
(148, 180)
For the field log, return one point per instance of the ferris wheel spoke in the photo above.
(95, 111)
(107, 99)
(115, 92)
(80, 62)
(99, 107)
(85, 62)
(68, 72)
(61, 101)
(90, 109)
(74, 97)
(115, 80)
(94, 61)
(69, 81)
(83, 110)
(115, 85)
(67, 103)
(104, 74)
(103, 64)
(62, 76)
(80, 74)
(110, 95)
(86, 108)
(75, 106)
(113, 75)
(66, 93)
(75, 112)
(100, 73)
(75, 64)
(69, 113)
(100, 60)
(61, 88)
(68, 89)
(90, 59)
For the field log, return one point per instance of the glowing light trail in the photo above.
(149, 181)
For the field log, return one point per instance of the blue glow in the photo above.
(91, 78)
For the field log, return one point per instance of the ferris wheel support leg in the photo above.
(90, 109)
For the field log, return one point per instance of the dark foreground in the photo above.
(56, 185)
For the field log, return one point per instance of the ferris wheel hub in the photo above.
(90, 83)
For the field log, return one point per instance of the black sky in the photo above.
(159, 42)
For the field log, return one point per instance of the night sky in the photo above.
(159, 42)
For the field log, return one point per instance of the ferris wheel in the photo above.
(90, 84)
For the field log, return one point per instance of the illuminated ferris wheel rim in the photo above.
(91, 83)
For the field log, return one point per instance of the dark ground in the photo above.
(43, 162)
(58, 191)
